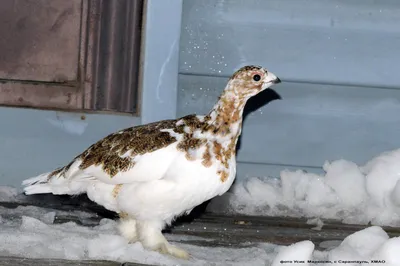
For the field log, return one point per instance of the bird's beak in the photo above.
(276, 81)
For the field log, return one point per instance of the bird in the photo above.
(153, 173)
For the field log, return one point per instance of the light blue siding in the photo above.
(160, 57)
(339, 62)
(319, 41)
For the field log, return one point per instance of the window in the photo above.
(70, 55)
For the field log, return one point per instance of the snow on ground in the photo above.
(346, 192)
(36, 236)
(8, 193)
(30, 232)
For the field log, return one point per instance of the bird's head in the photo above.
(250, 80)
(244, 84)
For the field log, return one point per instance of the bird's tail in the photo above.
(67, 180)
(37, 185)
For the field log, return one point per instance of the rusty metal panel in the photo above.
(112, 63)
(40, 39)
(42, 95)
(75, 54)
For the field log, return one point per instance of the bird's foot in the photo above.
(172, 250)
(168, 249)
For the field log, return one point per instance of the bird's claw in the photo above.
(174, 251)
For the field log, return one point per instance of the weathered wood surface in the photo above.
(235, 230)
(13, 261)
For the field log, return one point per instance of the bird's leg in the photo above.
(151, 238)
(127, 228)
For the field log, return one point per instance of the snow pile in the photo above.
(369, 246)
(296, 253)
(347, 192)
(8, 193)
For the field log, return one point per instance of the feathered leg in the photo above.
(127, 228)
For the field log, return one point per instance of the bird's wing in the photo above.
(135, 154)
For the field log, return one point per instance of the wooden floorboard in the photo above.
(13, 261)
(236, 230)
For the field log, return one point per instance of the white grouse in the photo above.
(150, 174)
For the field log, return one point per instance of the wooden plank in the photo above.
(318, 41)
(63, 203)
(312, 123)
(235, 230)
(12, 261)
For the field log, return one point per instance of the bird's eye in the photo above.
(256, 77)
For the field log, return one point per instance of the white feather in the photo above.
(185, 185)
(37, 179)
(73, 182)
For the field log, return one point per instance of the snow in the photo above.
(316, 221)
(360, 245)
(30, 232)
(346, 192)
(368, 245)
(8, 193)
(297, 253)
